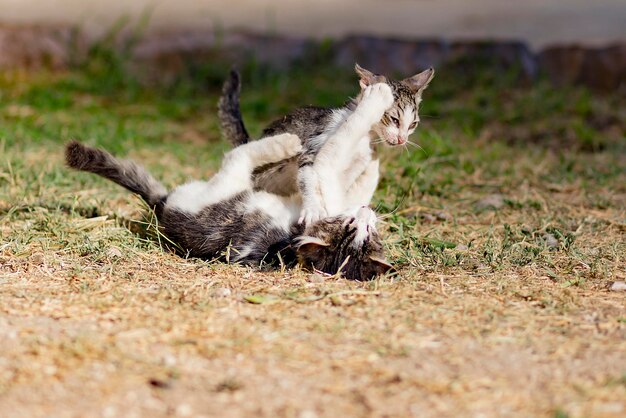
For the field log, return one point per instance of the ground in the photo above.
(506, 225)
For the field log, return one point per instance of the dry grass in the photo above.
(515, 320)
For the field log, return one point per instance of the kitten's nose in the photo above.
(401, 140)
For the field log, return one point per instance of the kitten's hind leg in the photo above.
(235, 175)
(241, 161)
(271, 149)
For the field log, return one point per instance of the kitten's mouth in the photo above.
(393, 140)
(396, 143)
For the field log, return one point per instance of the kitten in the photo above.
(223, 218)
(314, 125)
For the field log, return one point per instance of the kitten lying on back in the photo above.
(224, 215)
(315, 125)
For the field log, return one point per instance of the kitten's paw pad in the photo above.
(309, 216)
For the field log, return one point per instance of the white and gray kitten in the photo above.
(224, 218)
(315, 125)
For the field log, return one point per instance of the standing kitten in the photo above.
(225, 218)
(314, 125)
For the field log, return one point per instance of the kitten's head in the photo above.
(402, 118)
(349, 243)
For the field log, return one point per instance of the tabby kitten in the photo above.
(315, 125)
(223, 218)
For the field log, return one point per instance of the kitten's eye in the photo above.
(395, 120)
(413, 125)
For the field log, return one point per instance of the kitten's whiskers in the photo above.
(418, 146)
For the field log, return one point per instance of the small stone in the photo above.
(109, 412)
(114, 252)
(493, 201)
(316, 278)
(443, 216)
(37, 258)
(169, 360)
(222, 292)
(184, 410)
(307, 413)
(550, 240)
(50, 370)
(617, 286)
(461, 247)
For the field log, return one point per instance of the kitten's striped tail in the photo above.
(229, 113)
(126, 173)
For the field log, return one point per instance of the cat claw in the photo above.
(310, 216)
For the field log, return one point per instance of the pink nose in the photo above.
(401, 140)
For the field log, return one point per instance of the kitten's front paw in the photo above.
(376, 99)
(383, 94)
(310, 215)
(292, 144)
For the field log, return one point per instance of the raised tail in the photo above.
(126, 173)
(229, 113)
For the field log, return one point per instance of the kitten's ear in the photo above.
(381, 266)
(419, 82)
(367, 78)
(310, 245)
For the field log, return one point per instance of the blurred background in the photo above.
(545, 72)
(538, 22)
(570, 42)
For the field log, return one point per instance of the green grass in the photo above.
(505, 293)
(475, 140)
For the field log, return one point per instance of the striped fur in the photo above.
(229, 114)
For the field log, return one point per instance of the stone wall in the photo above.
(58, 47)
